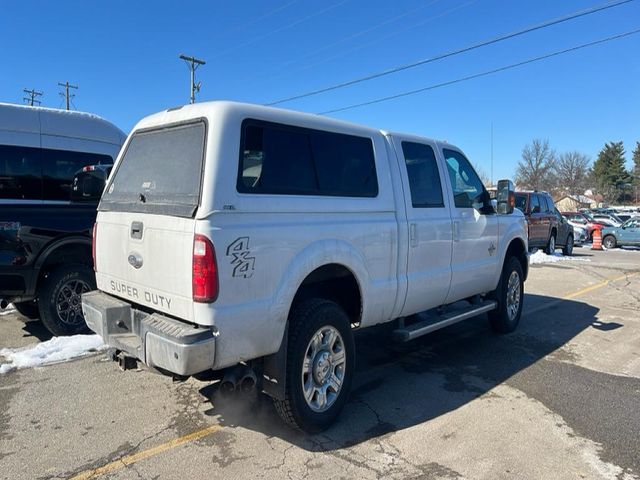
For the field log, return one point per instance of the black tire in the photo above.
(28, 309)
(307, 320)
(609, 242)
(568, 246)
(59, 299)
(503, 319)
(551, 244)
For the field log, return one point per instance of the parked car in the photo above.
(583, 219)
(626, 234)
(548, 229)
(579, 234)
(277, 234)
(607, 219)
(53, 164)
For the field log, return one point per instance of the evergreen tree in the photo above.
(609, 171)
(636, 169)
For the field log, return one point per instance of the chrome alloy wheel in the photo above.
(513, 295)
(323, 369)
(69, 302)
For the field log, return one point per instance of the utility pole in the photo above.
(492, 154)
(32, 96)
(193, 63)
(66, 95)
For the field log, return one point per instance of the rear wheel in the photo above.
(60, 299)
(27, 309)
(609, 242)
(320, 364)
(568, 248)
(510, 296)
(551, 245)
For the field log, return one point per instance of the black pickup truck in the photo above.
(45, 254)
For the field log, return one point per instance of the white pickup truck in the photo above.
(238, 238)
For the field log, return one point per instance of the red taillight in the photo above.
(204, 272)
(93, 247)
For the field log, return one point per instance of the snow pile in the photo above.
(6, 311)
(540, 257)
(58, 349)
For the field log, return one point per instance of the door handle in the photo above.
(413, 235)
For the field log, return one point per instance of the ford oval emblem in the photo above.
(135, 260)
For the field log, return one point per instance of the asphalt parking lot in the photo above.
(557, 399)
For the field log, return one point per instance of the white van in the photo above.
(45, 236)
(233, 233)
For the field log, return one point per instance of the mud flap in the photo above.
(275, 370)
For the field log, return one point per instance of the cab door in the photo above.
(474, 265)
(428, 259)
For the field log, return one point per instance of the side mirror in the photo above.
(506, 197)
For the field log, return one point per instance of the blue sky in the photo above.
(124, 57)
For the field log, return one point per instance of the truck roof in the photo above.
(224, 107)
(56, 122)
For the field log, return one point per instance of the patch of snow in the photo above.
(540, 257)
(58, 349)
(6, 311)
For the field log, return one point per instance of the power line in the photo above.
(32, 95)
(452, 53)
(193, 63)
(277, 30)
(66, 95)
(483, 74)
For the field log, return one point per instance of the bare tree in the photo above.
(535, 170)
(483, 175)
(572, 172)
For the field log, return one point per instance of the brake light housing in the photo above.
(93, 246)
(204, 273)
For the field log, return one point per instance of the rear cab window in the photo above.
(160, 172)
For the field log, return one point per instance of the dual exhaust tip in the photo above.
(240, 378)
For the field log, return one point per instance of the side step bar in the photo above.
(427, 326)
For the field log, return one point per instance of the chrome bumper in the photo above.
(158, 341)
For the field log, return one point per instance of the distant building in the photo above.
(573, 203)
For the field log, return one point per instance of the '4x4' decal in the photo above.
(242, 262)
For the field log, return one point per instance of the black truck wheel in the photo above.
(28, 309)
(510, 296)
(60, 298)
(320, 365)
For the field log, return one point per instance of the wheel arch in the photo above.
(68, 250)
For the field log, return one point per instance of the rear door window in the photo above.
(535, 204)
(160, 172)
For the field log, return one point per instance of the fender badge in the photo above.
(492, 248)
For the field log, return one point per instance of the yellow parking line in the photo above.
(599, 285)
(136, 457)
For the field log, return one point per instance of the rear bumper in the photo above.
(158, 341)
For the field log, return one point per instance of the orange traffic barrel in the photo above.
(597, 240)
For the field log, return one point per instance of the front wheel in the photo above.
(60, 299)
(568, 248)
(609, 242)
(510, 297)
(320, 365)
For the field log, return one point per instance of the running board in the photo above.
(427, 326)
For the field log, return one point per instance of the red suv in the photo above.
(548, 229)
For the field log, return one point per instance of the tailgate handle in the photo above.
(136, 230)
